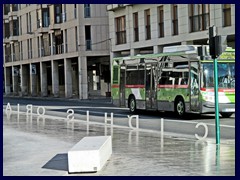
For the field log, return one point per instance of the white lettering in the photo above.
(72, 114)
(8, 107)
(206, 131)
(111, 119)
(29, 109)
(130, 121)
(43, 111)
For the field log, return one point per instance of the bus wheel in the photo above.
(180, 107)
(132, 104)
(226, 114)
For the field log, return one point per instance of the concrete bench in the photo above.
(89, 154)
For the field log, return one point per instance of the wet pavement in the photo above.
(38, 146)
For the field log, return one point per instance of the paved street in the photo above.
(34, 145)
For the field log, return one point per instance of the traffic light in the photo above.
(217, 44)
(220, 44)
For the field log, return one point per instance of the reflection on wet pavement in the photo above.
(35, 145)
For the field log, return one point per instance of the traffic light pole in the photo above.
(217, 125)
(217, 45)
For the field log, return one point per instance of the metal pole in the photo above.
(216, 102)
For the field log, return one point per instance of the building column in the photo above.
(68, 77)
(55, 79)
(33, 79)
(43, 75)
(7, 80)
(83, 78)
(15, 73)
(24, 80)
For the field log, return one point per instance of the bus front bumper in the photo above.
(208, 107)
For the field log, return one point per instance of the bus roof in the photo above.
(177, 50)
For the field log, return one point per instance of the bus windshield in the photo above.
(226, 75)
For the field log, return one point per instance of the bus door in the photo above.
(122, 85)
(151, 90)
(194, 87)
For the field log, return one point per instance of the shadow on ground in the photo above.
(58, 162)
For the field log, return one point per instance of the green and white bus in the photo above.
(176, 80)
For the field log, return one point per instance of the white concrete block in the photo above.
(89, 154)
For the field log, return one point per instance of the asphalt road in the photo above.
(147, 120)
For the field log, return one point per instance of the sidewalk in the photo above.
(38, 147)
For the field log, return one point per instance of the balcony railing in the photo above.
(8, 58)
(58, 49)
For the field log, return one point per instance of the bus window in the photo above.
(115, 75)
(226, 75)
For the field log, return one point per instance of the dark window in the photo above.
(87, 12)
(175, 19)
(135, 75)
(121, 30)
(88, 37)
(226, 15)
(199, 17)
(147, 24)
(6, 30)
(135, 26)
(58, 13)
(6, 9)
(161, 21)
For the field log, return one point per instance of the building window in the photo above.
(87, 12)
(58, 13)
(39, 46)
(29, 24)
(8, 53)
(75, 11)
(121, 30)
(226, 15)
(14, 30)
(58, 42)
(135, 26)
(199, 17)
(6, 9)
(6, 30)
(14, 7)
(66, 43)
(21, 51)
(15, 27)
(174, 19)
(29, 46)
(161, 21)
(20, 25)
(147, 24)
(46, 20)
(88, 37)
(76, 37)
